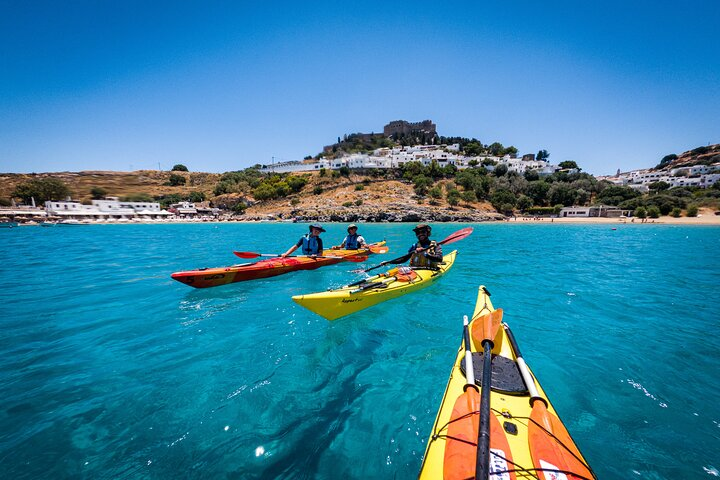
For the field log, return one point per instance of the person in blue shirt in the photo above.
(353, 241)
(311, 243)
(424, 253)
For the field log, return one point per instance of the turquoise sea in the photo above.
(109, 369)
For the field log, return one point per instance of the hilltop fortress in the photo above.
(401, 127)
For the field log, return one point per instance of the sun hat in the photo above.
(318, 226)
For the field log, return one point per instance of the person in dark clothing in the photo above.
(311, 243)
(424, 253)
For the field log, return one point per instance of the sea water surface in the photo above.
(110, 369)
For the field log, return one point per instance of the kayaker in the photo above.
(311, 243)
(353, 241)
(424, 253)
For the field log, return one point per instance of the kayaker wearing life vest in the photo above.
(311, 243)
(353, 241)
(424, 253)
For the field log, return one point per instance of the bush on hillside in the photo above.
(176, 180)
(42, 190)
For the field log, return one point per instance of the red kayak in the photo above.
(213, 277)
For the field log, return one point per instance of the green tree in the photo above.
(468, 196)
(344, 171)
(322, 172)
(500, 170)
(659, 186)
(502, 197)
(653, 211)
(282, 189)
(692, 211)
(296, 183)
(524, 203)
(176, 180)
(42, 190)
(473, 149)
(496, 149)
(421, 184)
(98, 193)
(179, 168)
(196, 196)
(264, 191)
(538, 191)
(317, 190)
(676, 212)
(666, 160)
(567, 164)
(562, 193)
(435, 192)
(532, 175)
(641, 212)
(542, 155)
(453, 197)
(614, 195)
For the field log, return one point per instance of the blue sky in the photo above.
(218, 86)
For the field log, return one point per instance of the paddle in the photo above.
(489, 326)
(461, 452)
(453, 237)
(551, 447)
(350, 258)
(377, 248)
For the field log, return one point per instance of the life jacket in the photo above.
(419, 259)
(351, 242)
(310, 245)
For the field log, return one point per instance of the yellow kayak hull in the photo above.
(346, 300)
(514, 409)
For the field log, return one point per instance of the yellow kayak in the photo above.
(521, 436)
(349, 299)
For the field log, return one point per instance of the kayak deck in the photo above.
(213, 277)
(527, 438)
(334, 304)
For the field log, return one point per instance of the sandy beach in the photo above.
(705, 217)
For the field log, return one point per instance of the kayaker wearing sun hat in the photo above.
(311, 243)
(424, 253)
(353, 241)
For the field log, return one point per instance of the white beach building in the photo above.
(111, 208)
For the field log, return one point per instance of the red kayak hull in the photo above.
(272, 267)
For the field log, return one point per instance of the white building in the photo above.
(108, 209)
(396, 157)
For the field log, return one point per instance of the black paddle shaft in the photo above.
(482, 462)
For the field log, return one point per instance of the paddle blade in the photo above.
(462, 435)
(247, 254)
(379, 249)
(461, 448)
(557, 451)
(486, 327)
(459, 235)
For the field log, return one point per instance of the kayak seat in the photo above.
(506, 376)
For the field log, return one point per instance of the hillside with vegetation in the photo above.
(707, 155)
(410, 193)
